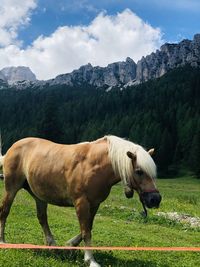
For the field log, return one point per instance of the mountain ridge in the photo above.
(117, 74)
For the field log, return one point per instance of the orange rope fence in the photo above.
(31, 246)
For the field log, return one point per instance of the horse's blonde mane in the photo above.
(121, 163)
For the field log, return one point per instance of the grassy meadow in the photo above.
(117, 223)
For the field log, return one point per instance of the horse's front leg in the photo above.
(86, 215)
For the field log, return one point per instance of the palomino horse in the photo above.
(78, 175)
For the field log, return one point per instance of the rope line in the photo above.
(31, 246)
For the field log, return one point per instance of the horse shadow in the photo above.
(106, 259)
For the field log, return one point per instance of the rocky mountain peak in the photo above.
(112, 75)
(168, 57)
(2, 77)
(16, 74)
(196, 38)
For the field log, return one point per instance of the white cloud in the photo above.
(105, 40)
(13, 14)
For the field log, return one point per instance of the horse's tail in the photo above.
(1, 158)
(1, 164)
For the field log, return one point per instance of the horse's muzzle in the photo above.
(151, 199)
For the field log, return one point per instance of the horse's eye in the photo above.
(139, 172)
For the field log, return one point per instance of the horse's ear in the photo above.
(151, 151)
(131, 155)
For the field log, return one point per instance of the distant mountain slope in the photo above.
(115, 74)
(169, 56)
(15, 74)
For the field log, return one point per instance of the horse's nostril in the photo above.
(157, 200)
(153, 202)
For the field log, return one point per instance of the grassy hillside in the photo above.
(118, 223)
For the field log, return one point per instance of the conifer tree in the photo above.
(194, 155)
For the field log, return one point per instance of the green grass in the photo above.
(117, 223)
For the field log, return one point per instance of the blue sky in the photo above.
(57, 36)
(177, 19)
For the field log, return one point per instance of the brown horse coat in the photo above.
(60, 174)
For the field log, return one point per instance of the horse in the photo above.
(79, 175)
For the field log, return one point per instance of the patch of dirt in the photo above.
(182, 218)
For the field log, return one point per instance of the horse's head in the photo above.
(143, 179)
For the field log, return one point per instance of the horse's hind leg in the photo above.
(12, 185)
(42, 217)
(41, 207)
(4, 212)
(75, 241)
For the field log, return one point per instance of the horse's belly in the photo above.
(51, 190)
(66, 202)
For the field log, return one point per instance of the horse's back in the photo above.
(14, 155)
(21, 150)
(29, 152)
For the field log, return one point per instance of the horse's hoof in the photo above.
(91, 262)
(51, 243)
(69, 244)
(75, 241)
(94, 264)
